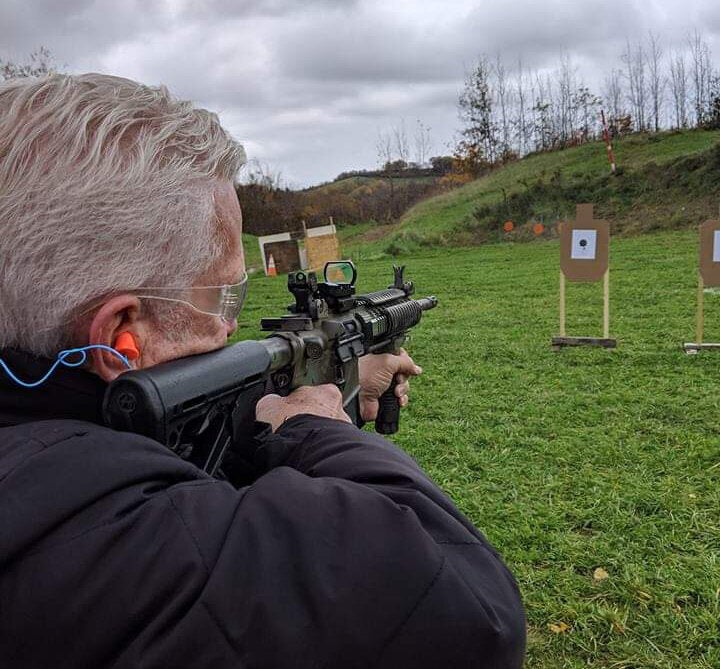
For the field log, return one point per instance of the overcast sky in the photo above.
(307, 85)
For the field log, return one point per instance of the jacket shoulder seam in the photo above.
(108, 523)
(220, 628)
(415, 607)
(43, 446)
(205, 604)
(190, 533)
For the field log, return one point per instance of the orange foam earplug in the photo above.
(127, 345)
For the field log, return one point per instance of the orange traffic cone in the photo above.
(271, 269)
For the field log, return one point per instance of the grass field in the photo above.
(579, 460)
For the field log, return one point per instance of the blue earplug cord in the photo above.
(62, 359)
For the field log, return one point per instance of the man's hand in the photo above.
(325, 401)
(376, 374)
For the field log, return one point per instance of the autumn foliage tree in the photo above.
(478, 144)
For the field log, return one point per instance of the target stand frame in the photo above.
(606, 341)
(585, 269)
(694, 347)
(708, 277)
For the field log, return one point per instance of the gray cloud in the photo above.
(74, 29)
(252, 8)
(367, 50)
(308, 84)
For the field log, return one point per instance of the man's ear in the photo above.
(117, 315)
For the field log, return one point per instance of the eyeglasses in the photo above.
(223, 301)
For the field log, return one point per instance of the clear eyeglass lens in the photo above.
(223, 301)
(232, 301)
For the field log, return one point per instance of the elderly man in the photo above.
(118, 220)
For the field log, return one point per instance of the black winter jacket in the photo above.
(342, 554)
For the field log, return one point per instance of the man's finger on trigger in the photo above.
(402, 389)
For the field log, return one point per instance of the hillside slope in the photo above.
(665, 181)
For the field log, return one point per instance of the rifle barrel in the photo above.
(427, 303)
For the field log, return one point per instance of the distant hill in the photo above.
(352, 184)
(354, 199)
(665, 181)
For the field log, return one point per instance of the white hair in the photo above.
(105, 185)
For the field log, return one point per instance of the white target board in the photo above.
(584, 245)
(716, 246)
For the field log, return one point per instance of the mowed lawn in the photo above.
(578, 460)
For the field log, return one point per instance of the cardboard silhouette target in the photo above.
(710, 253)
(709, 277)
(584, 246)
(584, 257)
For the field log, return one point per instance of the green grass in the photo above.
(575, 460)
(666, 181)
(253, 259)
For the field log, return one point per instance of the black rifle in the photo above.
(203, 407)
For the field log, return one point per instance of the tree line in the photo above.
(269, 206)
(508, 111)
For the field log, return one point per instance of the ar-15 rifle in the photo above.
(203, 405)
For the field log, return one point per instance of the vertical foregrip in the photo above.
(388, 418)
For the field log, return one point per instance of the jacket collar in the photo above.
(69, 393)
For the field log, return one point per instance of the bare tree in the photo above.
(544, 118)
(422, 143)
(679, 89)
(39, 63)
(384, 147)
(400, 140)
(523, 128)
(700, 54)
(566, 108)
(614, 94)
(502, 94)
(634, 60)
(657, 80)
(257, 173)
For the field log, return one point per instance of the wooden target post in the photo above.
(708, 277)
(584, 257)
